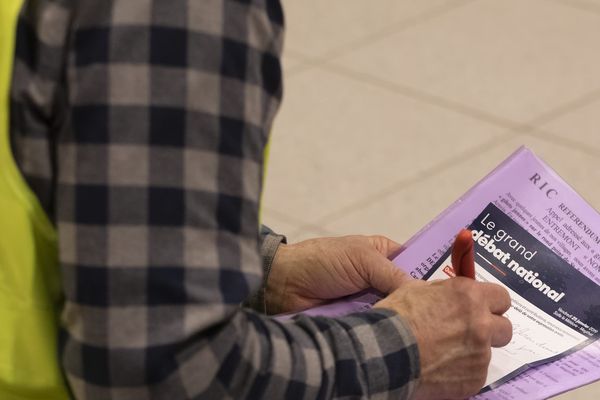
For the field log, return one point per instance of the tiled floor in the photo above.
(393, 108)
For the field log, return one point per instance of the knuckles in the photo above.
(481, 332)
(470, 302)
(466, 293)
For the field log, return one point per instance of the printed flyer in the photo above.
(555, 308)
(533, 196)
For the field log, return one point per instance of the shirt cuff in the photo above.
(268, 248)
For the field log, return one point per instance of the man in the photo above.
(140, 126)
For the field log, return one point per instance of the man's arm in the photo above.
(164, 108)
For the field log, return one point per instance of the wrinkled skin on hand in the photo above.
(456, 322)
(314, 271)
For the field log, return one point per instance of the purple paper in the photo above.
(541, 195)
(535, 197)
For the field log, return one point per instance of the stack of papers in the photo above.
(537, 237)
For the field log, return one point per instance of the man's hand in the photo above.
(456, 322)
(309, 273)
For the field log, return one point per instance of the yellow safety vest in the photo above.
(30, 292)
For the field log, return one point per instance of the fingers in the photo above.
(499, 303)
(389, 277)
(502, 331)
(385, 246)
(497, 297)
(382, 274)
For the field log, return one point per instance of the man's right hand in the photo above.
(456, 322)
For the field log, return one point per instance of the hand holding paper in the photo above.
(312, 272)
(564, 225)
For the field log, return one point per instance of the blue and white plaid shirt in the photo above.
(140, 126)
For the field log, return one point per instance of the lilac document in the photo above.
(555, 307)
(528, 191)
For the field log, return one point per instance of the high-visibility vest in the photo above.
(30, 292)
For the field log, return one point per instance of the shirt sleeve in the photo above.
(161, 113)
(269, 243)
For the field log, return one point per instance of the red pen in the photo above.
(463, 256)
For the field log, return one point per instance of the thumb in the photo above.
(385, 246)
(381, 274)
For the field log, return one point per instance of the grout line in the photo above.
(475, 113)
(515, 130)
(301, 225)
(302, 230)
(300, 68)
(296, 55)
(580, 5)
(425, 97)
(566, 108)
(553, 138)
(302, 62)
(405, 183)
(396, 28)
(297, 232)
(399, 26)
(530, 128)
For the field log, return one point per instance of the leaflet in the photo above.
(552, 309)
(534, 197)
(550, 379)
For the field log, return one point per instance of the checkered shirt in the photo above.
(140, 126)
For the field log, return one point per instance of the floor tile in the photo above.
(289, 226)
(337, 140)
(582, 125)
(290, 61)
(513, 58)
(402, 214)
(279, 223)
(299, 236)
(587, 5)
(315, 27)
